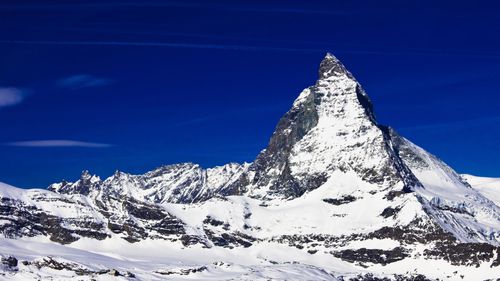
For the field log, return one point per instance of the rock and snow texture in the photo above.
(334, 194)
(453, 203)
(179, 183)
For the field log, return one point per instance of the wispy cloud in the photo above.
(83, 81)
(10, 96)
(161, 44)
(59, 143)
(218, 46)
(235, 7)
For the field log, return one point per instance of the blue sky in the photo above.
(131, 85)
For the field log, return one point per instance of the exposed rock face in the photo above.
(272, 167)
(372, 255)
(8, 263)
(132, 220)
(331, 181)
(23, 219)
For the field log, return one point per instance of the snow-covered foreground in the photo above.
(157, 260)
(149, 260)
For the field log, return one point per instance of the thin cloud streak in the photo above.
(82, 81)
(58, 143)
(161, 44)
(10, 96)
(256, 48)
(174, 4)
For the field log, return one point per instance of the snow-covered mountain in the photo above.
(179, 183)
(334, 195)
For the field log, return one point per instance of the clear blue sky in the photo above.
(134, 85)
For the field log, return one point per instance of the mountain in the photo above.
(330, 127)
(335, 195)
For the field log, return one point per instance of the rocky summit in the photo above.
(334, 196)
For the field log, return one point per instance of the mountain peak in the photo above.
(331, 127)
(86, 176)
(331, 66)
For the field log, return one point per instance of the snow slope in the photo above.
(489, 187)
